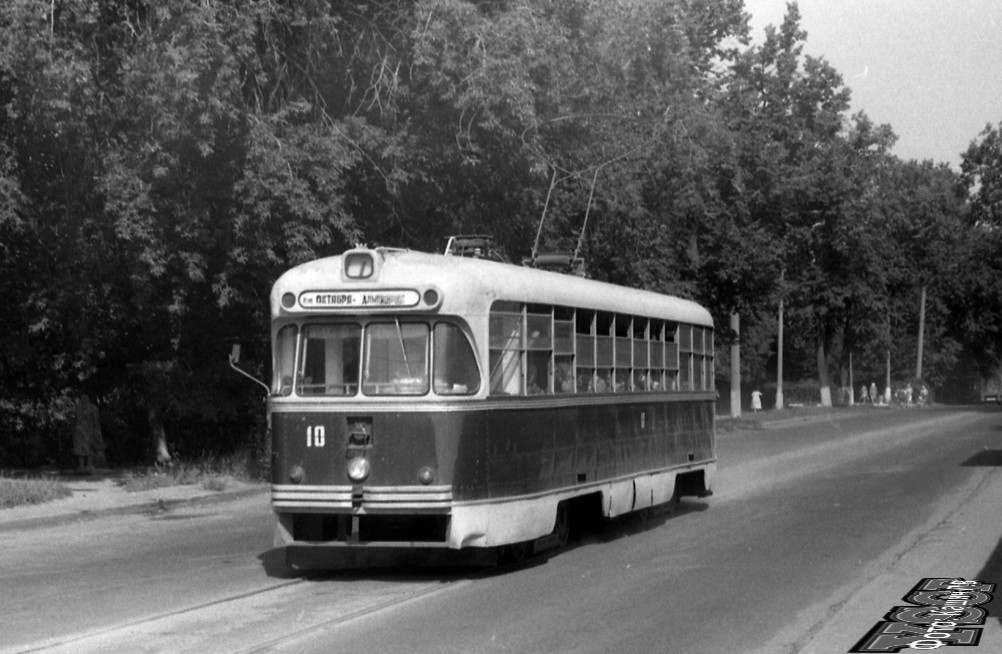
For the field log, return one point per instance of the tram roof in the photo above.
(481, 281)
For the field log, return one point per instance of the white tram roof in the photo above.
(469, 286)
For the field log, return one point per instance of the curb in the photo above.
(156, 506)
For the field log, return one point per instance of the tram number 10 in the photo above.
(315, 436)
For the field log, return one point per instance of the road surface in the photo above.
(806, 519)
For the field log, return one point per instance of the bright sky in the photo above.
(932, 69)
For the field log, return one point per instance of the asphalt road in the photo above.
(803, 517)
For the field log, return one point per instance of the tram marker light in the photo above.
(358, 265)
(431, 297)
(426, 475)
(288, 300)
(296, 474)
(358, 469)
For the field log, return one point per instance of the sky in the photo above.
(931, 69)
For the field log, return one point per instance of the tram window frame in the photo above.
(686, 381)
(591, 351)
(329, 361)
(538, 350)
(505, 367)
(584, 343)
(284, 360)
(641, 377)
(453, 364)
(384, 381)
(563, 349)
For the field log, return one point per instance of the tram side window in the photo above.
(506, 349)
(538, 346)
(396, 359)
(604, 352)
(624, 353)
(685, 359)
(671, 357)
(283, 366)
(563, 350)
(329, 360)
(455, 365)
(584, 339)
(641, 353)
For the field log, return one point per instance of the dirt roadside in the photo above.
(104, 493)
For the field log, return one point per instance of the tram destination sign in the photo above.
(391, 299)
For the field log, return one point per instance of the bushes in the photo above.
(18, 492)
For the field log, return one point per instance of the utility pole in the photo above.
(736, 365)
(921, 336)
(779, 359)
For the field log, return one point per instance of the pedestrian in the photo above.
(756, 400)
(873, 392)
(86, 434)
(862, 394)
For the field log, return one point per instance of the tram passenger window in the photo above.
(563, 375)
(506, 372)
(329, 360)
(396, 359)
(455, 366)
(506, 346)
(537, 373)
(283, 366)
(603, 382)
(685, 372)
(538, 329)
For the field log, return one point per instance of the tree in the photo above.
(787, 111)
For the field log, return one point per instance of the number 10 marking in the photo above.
(315, 436)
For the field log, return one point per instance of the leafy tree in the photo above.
(981, 176)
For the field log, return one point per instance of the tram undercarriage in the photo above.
(318, 540)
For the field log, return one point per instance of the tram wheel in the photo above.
(516, 552)
(562, 528)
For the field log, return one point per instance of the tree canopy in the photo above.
(161, 163)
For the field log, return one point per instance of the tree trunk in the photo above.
(736, 366)
(823, 377)
(158, 436)
(887, 386)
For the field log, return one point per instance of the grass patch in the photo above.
(213, 473)
(20, 492)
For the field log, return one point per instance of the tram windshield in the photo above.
(377, 358)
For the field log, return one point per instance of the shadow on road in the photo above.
(446, 565)
(992, 574)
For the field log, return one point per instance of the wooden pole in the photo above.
(779, 360)
(736, 366)
(921, 336)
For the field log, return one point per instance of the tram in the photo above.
(437, 404)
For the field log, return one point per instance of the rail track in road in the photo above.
(269, 619)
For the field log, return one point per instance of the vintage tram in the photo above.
(431, 404)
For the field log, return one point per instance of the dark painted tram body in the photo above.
(364, 460)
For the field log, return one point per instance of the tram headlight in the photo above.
(426, 475)
(358, 469)
(296, 474)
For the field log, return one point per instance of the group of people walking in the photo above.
(870, 396)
